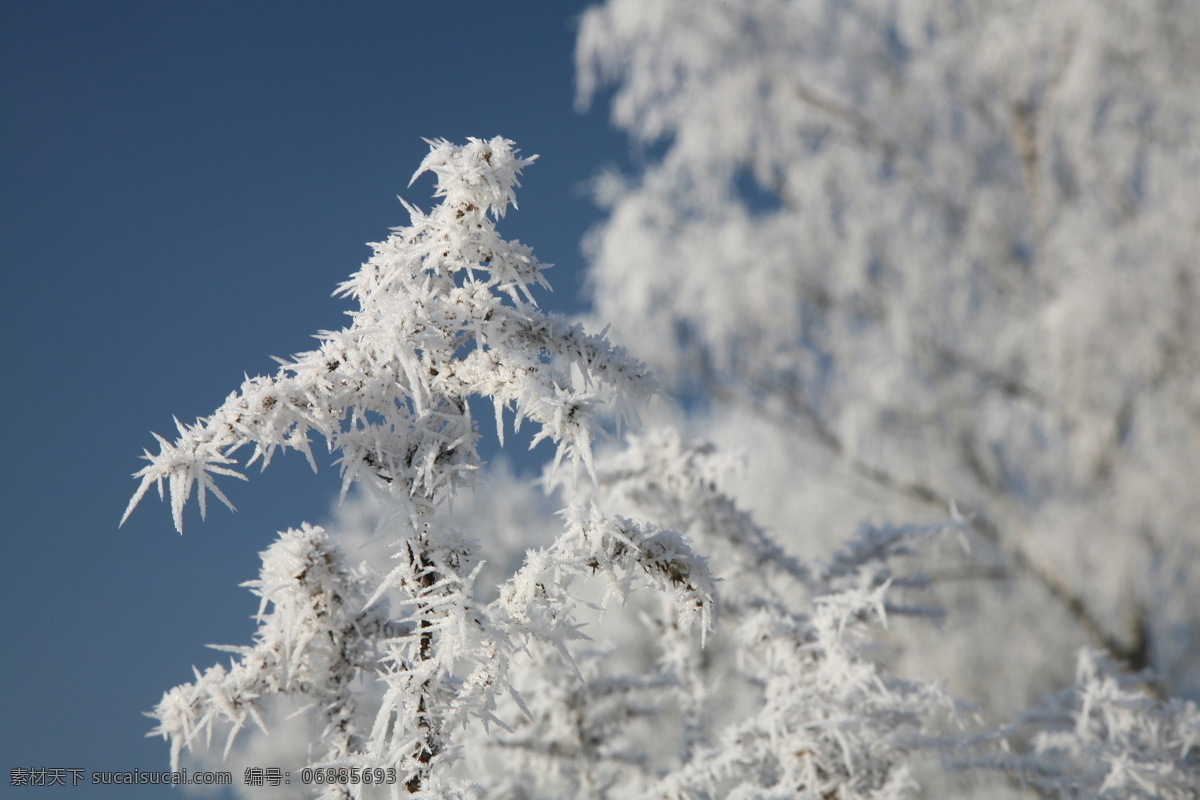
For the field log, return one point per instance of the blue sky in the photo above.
(184, 184)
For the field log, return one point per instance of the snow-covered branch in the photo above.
(446, 312)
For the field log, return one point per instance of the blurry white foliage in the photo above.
(945, 252)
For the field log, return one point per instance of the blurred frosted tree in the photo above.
(920, 253)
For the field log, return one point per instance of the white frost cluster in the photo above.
(1105, 738)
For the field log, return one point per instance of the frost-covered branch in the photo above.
(1105, 737)
(446, 312)
(400, 662)
(312, 644)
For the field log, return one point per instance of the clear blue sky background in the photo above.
(183, 185)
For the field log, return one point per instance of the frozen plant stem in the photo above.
(446, 312)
